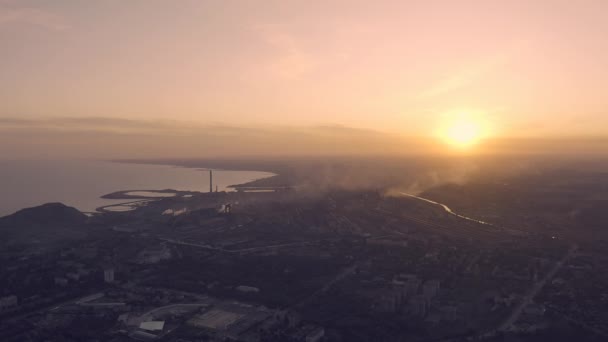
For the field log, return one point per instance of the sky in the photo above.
(71, 71)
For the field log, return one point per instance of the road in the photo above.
(45, 308)
(529, 296)
(343, 274)
(237, 251)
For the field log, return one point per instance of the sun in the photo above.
(463, 130)
(463, 133)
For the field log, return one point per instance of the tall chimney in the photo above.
(210, 180)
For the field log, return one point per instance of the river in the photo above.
(447, 209)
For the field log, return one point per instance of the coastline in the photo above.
(92, 184)
(277, 170)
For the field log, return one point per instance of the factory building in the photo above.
(108, 275)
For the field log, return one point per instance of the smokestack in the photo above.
(210, 180)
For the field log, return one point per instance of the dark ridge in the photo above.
(50, 214)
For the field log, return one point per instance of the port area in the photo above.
(139, 198)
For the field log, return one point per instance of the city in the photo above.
(284, 264)
(303, 171)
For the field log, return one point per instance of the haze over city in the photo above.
(304, 171)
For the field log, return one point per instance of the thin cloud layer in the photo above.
(11, 13)
(123, 138)
(104, 137)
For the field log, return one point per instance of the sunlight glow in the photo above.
(463, 133)
(463, 130)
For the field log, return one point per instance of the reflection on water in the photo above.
(120, 208)
(446, 208)
(151, 194)
(80, 183)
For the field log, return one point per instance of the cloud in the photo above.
(83, 123)
(472, 73)
(174, 127)
(32, 16)
(459, 80)
(107, 137)
(115, 137)
(464, 77)
(290, 60)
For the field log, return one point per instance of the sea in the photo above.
(80, 183)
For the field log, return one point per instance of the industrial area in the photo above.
(278, 262)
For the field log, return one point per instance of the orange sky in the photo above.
(529, 68)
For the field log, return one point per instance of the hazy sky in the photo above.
(532, 68)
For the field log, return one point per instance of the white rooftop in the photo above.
(152, 325)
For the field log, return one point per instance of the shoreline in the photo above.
(139, 201)
(122, 197)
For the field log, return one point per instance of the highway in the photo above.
(529, 296)
(343, 274)
(236, 251)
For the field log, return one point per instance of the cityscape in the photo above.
(303, 171)
(272, 261)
